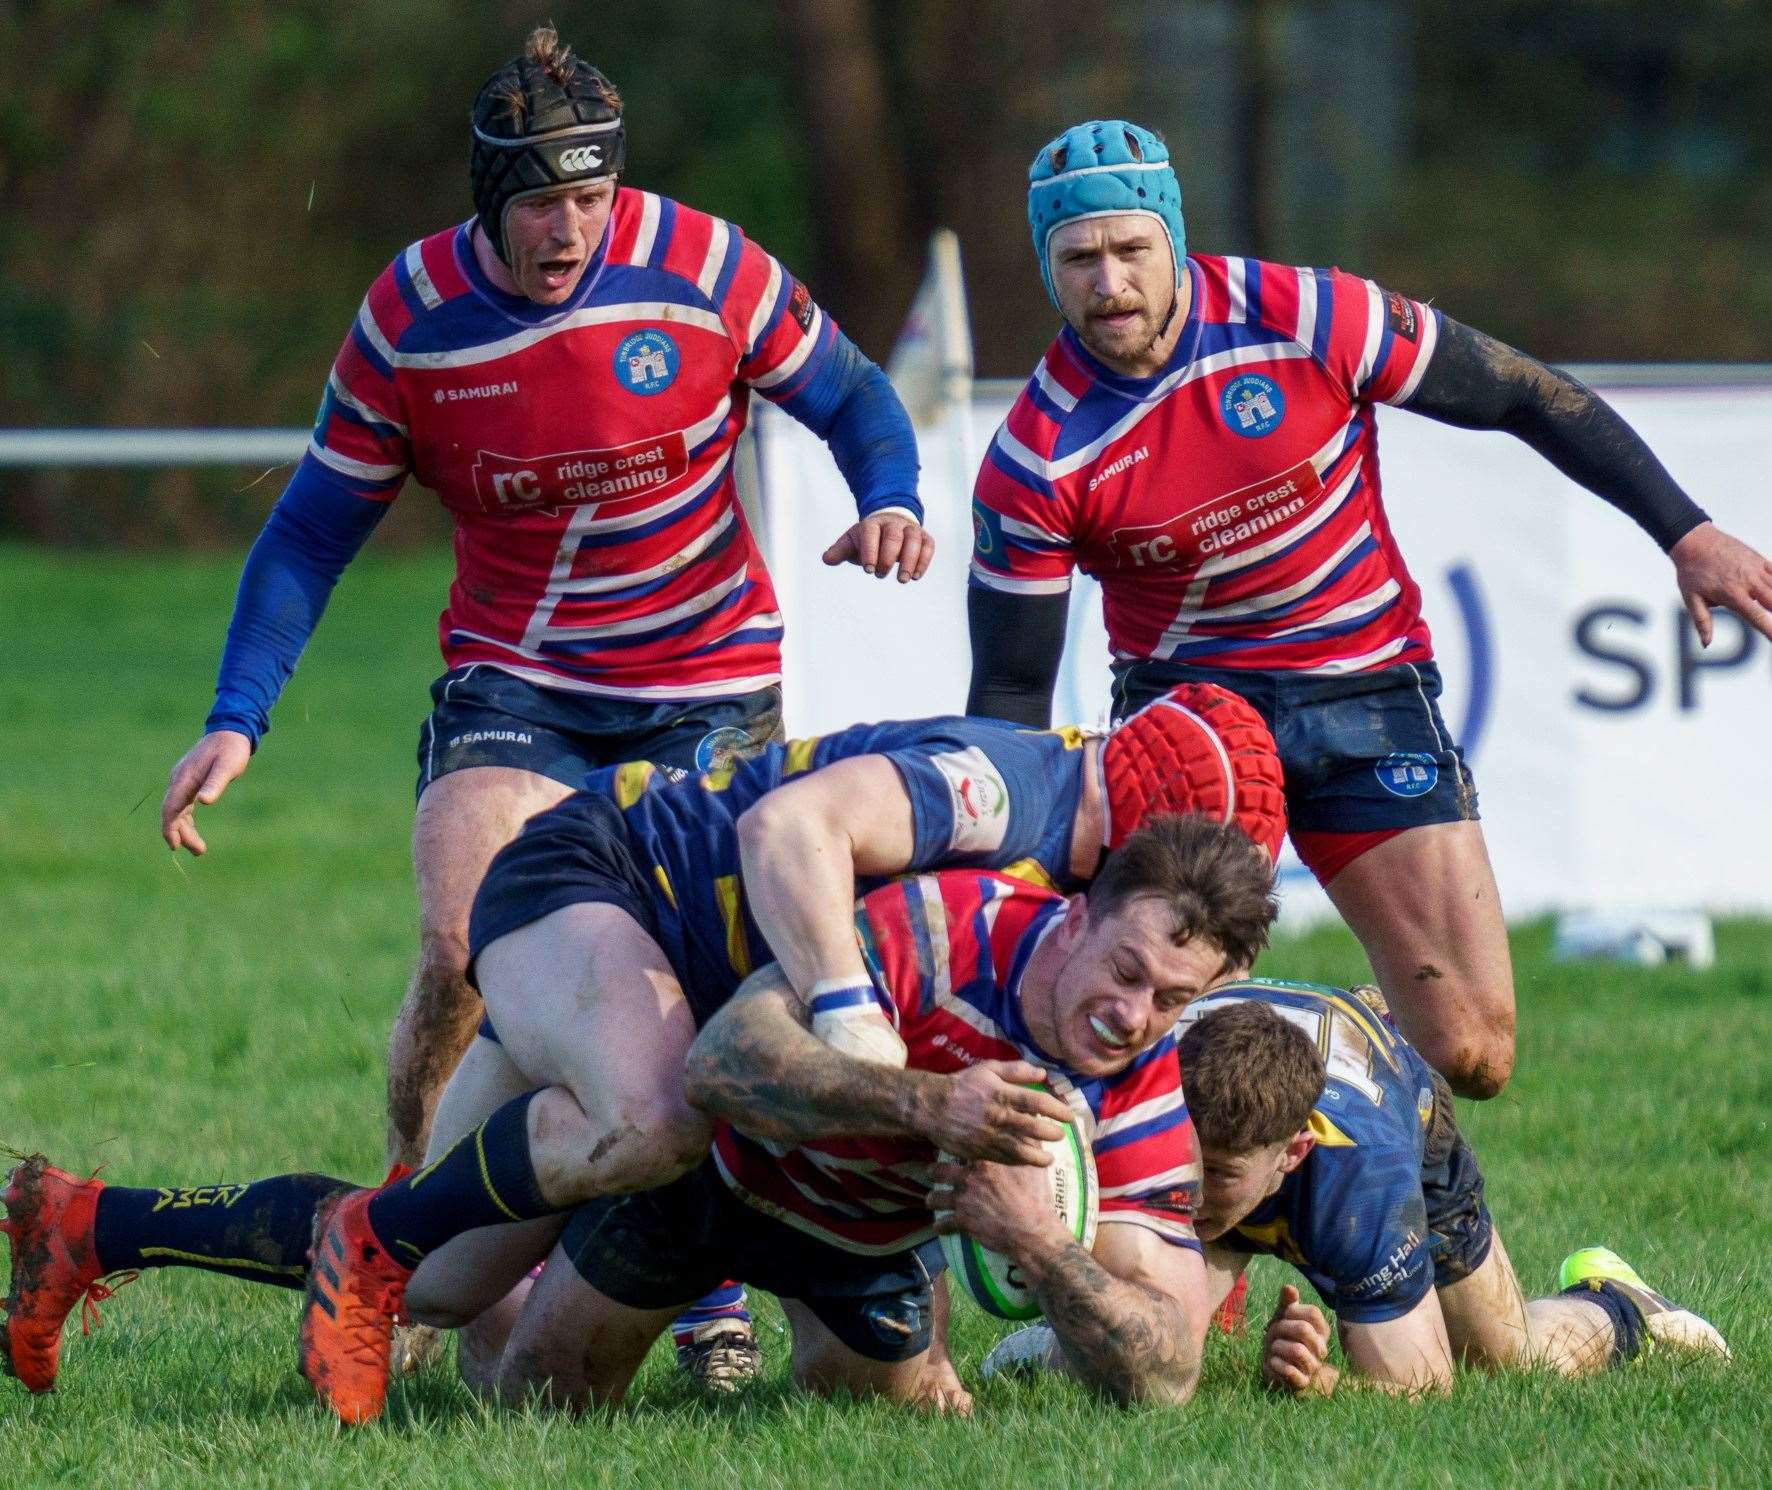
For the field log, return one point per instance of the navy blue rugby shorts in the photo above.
(484, 716)
(1366, 755)
(577, 851)
(1460, 1229)
(660, 1249)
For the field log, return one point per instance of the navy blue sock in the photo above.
(259, 1231)
(485, 1180)
(1627, 1320)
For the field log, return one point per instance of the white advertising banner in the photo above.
(1619, 764)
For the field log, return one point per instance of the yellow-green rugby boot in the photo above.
(1664, 1321)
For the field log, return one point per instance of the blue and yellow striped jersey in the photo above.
(983, 794)
(1352, 1217)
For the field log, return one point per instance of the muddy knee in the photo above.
(627, 1141)
(1476, 1058)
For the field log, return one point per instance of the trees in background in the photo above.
(192, 199)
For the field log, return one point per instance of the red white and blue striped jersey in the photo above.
(584, 450)
(1230, 505)
(947, 953)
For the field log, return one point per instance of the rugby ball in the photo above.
(993, 1281)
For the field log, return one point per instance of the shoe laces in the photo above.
(99, 1291)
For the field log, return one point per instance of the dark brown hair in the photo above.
(1250, 1076)
(1217, 884)
(545, 50)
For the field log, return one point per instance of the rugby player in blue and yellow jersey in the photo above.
(601, 938)
(1329, 1142)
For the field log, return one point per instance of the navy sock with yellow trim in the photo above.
(487, 1179)
(1626, 1317)
(259, 1231)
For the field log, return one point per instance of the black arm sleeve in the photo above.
(1017, 641)
(1476, 382)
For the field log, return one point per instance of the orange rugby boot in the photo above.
(353, 1296)
(49, 1219)
(1231, 1315)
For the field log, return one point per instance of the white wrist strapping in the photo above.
(849, 1015)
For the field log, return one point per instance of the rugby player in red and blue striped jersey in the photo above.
(569, 372)
(614, 925)
(1201, 437)
(824, 1172)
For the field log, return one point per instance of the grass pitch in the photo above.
(183, 1021)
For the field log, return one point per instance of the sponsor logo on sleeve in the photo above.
(979, 798)
(646, 362)
(800, 306)
(1399, 312)
(1252, 405)
(1397, 1267)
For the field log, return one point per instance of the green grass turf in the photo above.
(188, 1021)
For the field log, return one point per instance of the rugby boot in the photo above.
(1027, 1351)
(1231, 1317)
(353, 1296)
(1664, 1321)
(49, 1218)
(721, 1356)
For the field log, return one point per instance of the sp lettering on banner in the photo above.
(1220, 524)
(569, 478)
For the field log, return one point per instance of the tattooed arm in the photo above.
(758, 1065)
(1477, 382)
(1130, 1317)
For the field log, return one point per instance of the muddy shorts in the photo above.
(1366, 755)
(1459, 1227)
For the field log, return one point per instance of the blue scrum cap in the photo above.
(1098, 169)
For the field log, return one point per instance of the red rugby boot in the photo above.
(1231, 1315)
(49, 1218)
(353, 1296)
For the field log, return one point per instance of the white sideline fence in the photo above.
(1619, 765)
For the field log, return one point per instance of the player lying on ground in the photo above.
(614, 925)
(1328, 1141)
(1202, 437)
(820, 1183)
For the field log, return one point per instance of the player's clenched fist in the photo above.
(1295, 1348)
(201, 775)
(988, 1111)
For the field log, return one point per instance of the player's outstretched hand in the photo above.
(1712, 567)
(202, 775)
(887, 538)
(1295, 1348)
(990, 1111)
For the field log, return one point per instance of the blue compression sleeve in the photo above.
(314, 530)
(849, 404)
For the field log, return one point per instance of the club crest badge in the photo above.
(646, 362)
(1407, 774)
(1252, 405)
